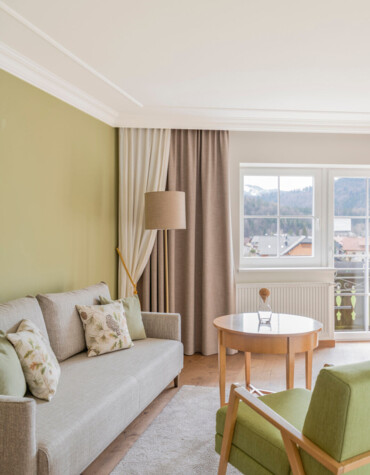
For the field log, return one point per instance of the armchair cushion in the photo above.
(257, 439)
(338, 416)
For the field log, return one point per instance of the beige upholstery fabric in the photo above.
(200, 258)
(63, 323)
(17, 436)
(162, 325)
(13, 312)
(97, 398)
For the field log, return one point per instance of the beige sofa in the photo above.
(96, 397)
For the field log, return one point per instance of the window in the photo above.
(280, 219)
(350, 244)
(312, 217)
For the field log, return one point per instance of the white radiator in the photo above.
(313, 299)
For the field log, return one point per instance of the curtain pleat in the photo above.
(201, 276)
(143, 163)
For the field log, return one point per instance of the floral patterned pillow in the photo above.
(105, 328)
(40, 366)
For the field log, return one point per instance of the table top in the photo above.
(282, 324)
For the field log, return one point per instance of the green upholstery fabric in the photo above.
(241, 460)
(257, 438)
(338, 417)
(133, 315)
(313, 467)
(12, 380)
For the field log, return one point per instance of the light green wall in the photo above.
(58, 194)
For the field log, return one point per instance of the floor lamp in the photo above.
(165, 210)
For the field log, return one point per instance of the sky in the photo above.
(287, 183)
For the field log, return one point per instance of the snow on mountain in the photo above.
(252, 190)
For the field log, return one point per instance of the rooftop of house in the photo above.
(351, 244)
(267, 245)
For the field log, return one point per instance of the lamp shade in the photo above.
(165, 210)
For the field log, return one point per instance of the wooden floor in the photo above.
(268, 372)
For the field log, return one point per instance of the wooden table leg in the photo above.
(247, 369)
(290, 370)
(309, 355)
(221, 368)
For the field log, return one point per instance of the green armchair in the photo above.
(296, 432)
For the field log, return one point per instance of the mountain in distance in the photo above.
(350, 199)
(259, 201)
(253, 190)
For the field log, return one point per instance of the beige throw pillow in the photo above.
(40, 366)
(105, 328)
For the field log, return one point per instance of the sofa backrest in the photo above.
(13, 312)
(338, 417)
(63, 323)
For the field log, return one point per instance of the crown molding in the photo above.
(257, 120)
(20, 66)
(249, 120)
(66, 52)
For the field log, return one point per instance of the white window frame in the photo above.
(355, 172)
(319, 224)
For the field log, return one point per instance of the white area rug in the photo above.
(180, 440)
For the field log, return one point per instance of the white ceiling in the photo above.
(237, 64)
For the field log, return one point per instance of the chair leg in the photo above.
(227, 438)
(293, 455)
(176, 381)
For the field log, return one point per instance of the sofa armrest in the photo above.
(162, 325)
(18, 449)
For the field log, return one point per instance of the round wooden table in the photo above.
(286, 334)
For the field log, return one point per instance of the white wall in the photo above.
(293, 148)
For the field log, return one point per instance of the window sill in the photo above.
(285, 269)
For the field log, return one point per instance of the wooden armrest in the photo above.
(291, 436)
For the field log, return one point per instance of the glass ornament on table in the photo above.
(264, 307)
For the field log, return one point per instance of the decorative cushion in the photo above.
(133, 316)
(105, 328)
(38, 361)
(14, 311)
(62, 320)
(12, 382)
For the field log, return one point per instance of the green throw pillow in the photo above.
(132, 314)
(12, 381)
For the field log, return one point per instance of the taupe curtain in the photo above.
(200, 257)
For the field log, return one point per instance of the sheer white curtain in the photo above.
(143, 164)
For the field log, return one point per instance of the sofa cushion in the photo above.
(14, 311)
(41, 368)
(259, 439)
(63, 323)
(97, 398)
(12, 382)
(133, 316)
(105, 328)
